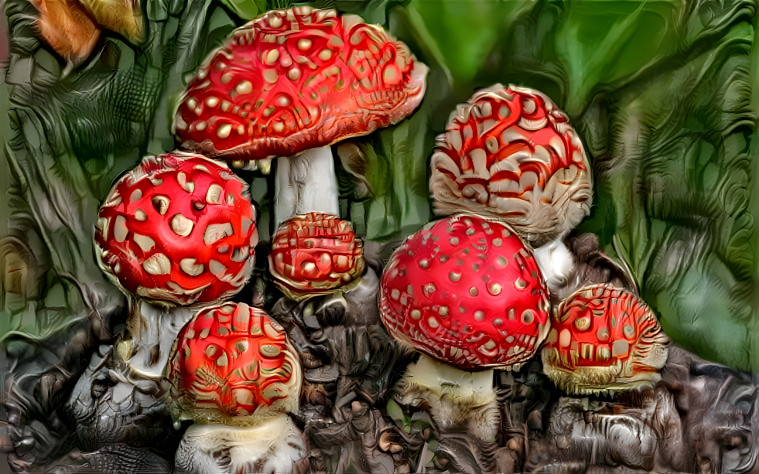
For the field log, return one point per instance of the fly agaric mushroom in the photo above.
(315, 254)
(466, 292)
(234, 373)
(293, 82)
(177, 230)
(604, 340)
(510, 153)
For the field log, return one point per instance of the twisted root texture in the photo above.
(275, 446)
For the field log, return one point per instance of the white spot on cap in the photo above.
(224, 130)
(217, 268)
(181, 225)
(275, 21)
(529, 106)
(190, 267)
(293, 74)
(157, 264)
(244, 87)
(271, 76)
(620, 348)
(143, 241)
(272, 56)
(215, 232)
(120, 229)
(213, 195)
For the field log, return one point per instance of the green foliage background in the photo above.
(662, 93)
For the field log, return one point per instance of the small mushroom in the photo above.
(178, 230)
(466, 293)
(315, 254)
(293, 82)
(234, 373)
(604, 340)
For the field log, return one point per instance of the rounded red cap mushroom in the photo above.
(178, 229)
(468, 292)
(292, 82)
(604, 340)
(232, 364)
(297, 79)
(315, 254)
(510, 153)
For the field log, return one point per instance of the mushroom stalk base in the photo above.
(275, 445)
(151, 331)
(457, 398)
(306, 183)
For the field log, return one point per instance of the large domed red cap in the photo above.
(468, 292)
(315, 254)
(604, 339)
(232, 364)
(510, 153)
(178, 229)
(297, 79)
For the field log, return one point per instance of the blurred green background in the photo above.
(661, 92)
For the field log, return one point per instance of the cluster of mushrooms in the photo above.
(471, 292)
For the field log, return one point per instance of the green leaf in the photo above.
(246, 9)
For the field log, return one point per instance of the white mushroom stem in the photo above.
(151, 331)
(274, 445)
(556, 263)
(306, 183)
(457, 398)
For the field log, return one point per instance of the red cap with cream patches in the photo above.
(468, 292)
(510, 153)
(604, 339)
(178, 229)
(232, 364)
(315, 254)
(297, 79)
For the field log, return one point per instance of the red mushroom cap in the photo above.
(232, 364)
(511, 154)
(297, 79)
(178, 229)
(468, 292)
(315, 254)
(604, 339)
